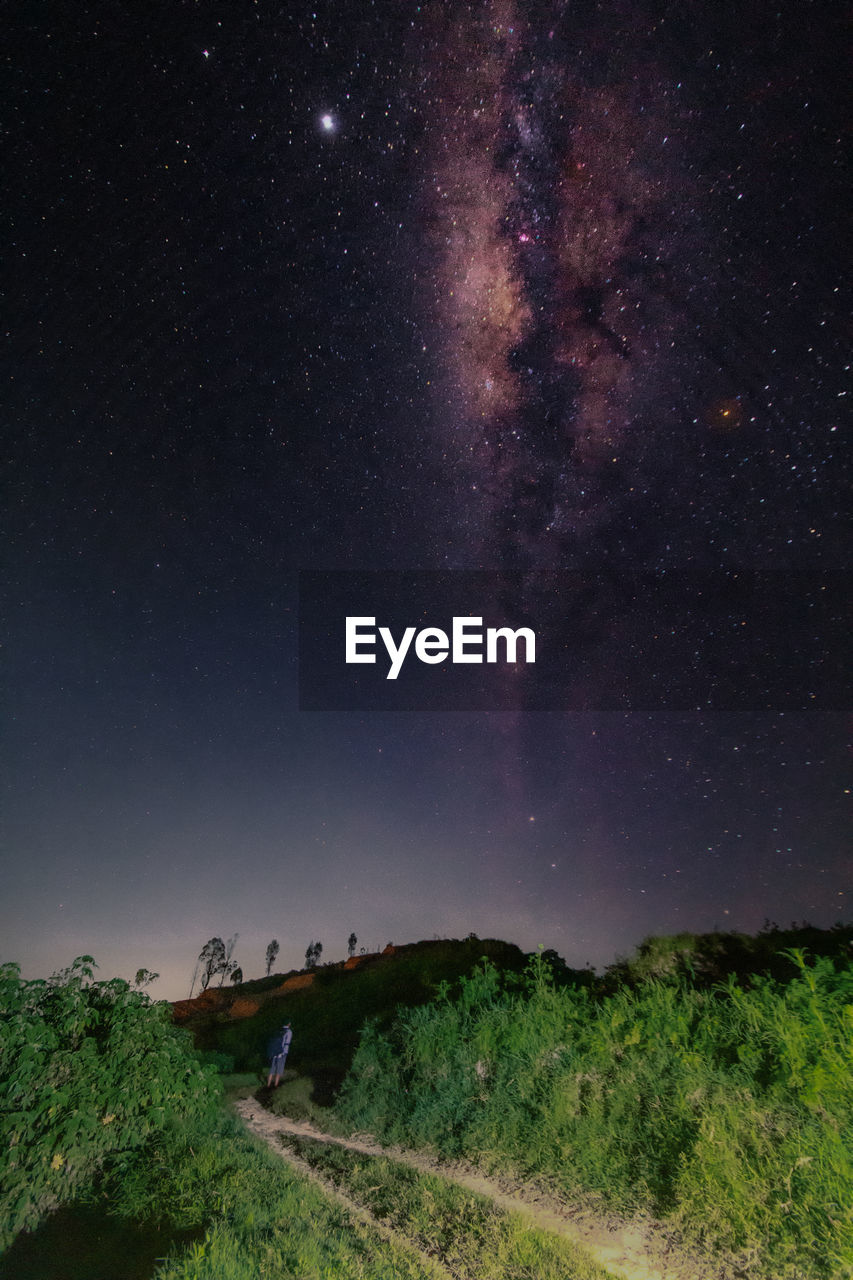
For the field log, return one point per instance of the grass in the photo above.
(259, 1217)
(295, 1098)
(684, 1085)
(328, 1016)
(729, 1109)
(469, 1234)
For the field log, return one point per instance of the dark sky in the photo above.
(521, 287)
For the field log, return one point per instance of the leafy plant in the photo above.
(260, 1217)
(88, 1070)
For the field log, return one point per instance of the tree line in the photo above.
(216, 958)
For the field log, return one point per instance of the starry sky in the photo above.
(529, 288)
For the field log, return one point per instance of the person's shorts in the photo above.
(277, 1064)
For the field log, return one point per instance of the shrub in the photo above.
(260, 1218)
(223, 1063)
(87, 1070)
(729, 1108)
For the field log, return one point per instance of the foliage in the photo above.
(228, 966)
(222, 1063)
(87, 1070)
(294, 1098)
(703, 959)
(256, 986)
(272, 952)
(212, 960)
(731, 1108)
(261, 1218)
(215, 957)
(352, 943)
(469, 1232)
(312, 954)
(328, 1015)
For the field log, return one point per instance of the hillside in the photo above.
(329, 1005)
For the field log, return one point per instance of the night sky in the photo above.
(525, 287)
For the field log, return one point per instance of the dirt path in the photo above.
(630, 1250)
(269, 1132)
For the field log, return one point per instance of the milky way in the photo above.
(550, 191)
(545, 288)
(578, 296)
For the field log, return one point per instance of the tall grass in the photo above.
(730, 1109)
(328, 1015)
(260, 1217)
(470, 1234)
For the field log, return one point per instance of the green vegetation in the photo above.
(260, 1218)
(88, 1071)
(294, 1098)
(708, 1079)
(328, 1016)
(471, 1235)
(729, 1108)
(704, 959)
(81, 1242)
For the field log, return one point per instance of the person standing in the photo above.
(279, 1049)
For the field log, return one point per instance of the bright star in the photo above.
(328, 123)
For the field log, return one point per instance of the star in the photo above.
(328, 123)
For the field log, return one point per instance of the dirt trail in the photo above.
(432, 1267)
(630, 1250)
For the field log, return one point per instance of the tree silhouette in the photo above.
(312, 954)
(352, 943)
(272, 952)
(228, 965)
(144, 977)
(236, 975)
(211, 960)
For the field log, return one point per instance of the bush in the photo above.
(260, 1217)
(730, 1109)
(223, 1063)
(88, 1070)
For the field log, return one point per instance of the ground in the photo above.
(639, 1249)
